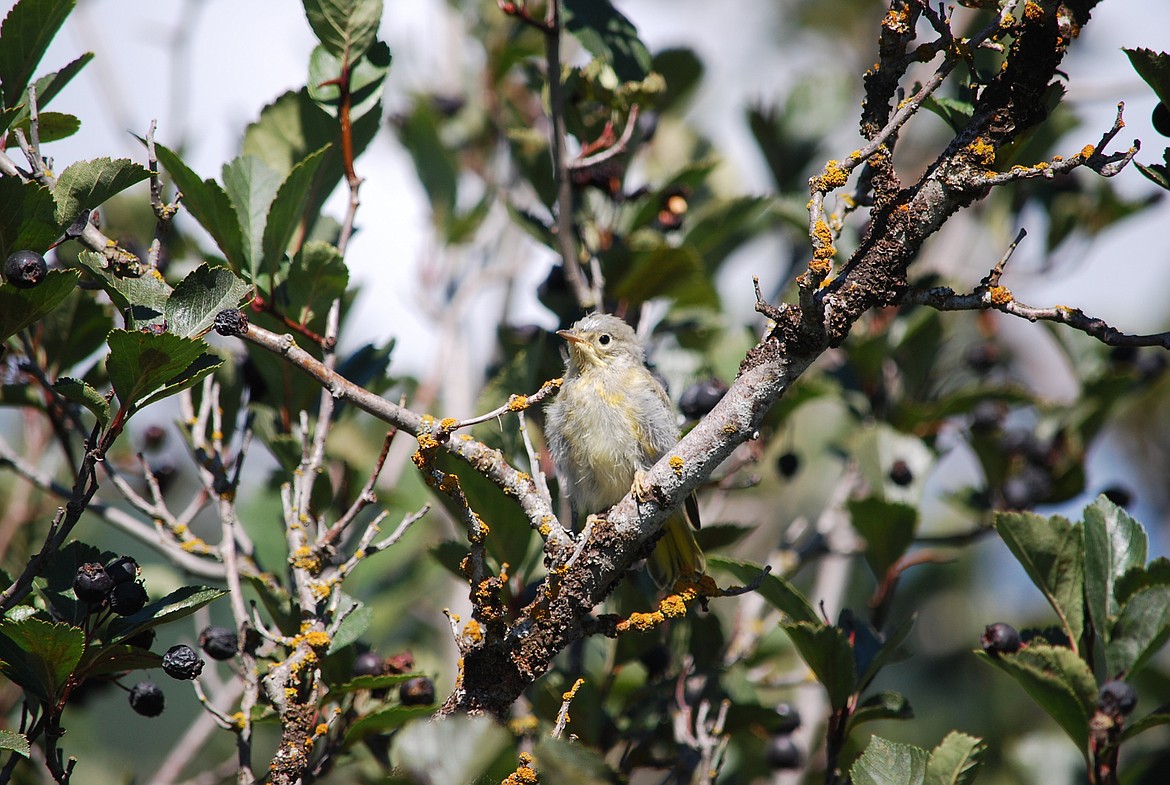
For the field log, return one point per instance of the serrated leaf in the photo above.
(251, 185)
(193, 305)
(373, 682)
(288, 206)
(885, 705)
(367, 79)
(1142, 627)
(1154, 69)
(47, 87)
(1051, 551)
(890, 650)
(139, 362)
(888, 528)
(25, 35)
(384, 720)
(609, 36)
(1114, 544)
(176, 605)
(889, 763)
(1058, 680)
(827, 652)
(1155, 573)
(345, 27)
(141, 299)
(17, 742)
(203, 365)
(779, 593)
(317, 277)
(87, 184)
(51, 126)
(353, 626)
(956, 113)
(21, 307)
(118, 658)
(209, 204)
(955, 761)
(40, 655)
(28, 218)
(80, 392)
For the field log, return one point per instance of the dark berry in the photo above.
(986, 417)
(368, 663)
(231, 321)
(154, 437)
(1161, 119)
(783, 753)
(127, 598)
(419, 691)
(25, 269)
(92, 583)
(900, 473)
(701, 397)
(789, 718)
(147, 699)
(123, 569)
(143, 640)
(1120, 496)
(1000, 638)
(164, 475)
(1027, 487)
(656, 660)
(1123, 355)
(218, 643)
(182, 663)
(982, 357)
(1117, 698)
(788, 464)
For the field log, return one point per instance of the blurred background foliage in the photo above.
(933, 420)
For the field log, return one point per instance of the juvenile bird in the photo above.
(610, 422)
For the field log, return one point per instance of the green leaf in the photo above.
(373, 682)
(458, 749)
(1051, 551)
(39, 655)
(17, 742)
(1142, 627)
(779, 593)
(890, 650)
(682, 69)
(955, 761)
(1114, 544)
(21, 307)
(1058, 680)
(47, 87)
(827, 652)
(1154, 69)
(25, 34)
(117, 659)
(1155, 573)
(287, 209)
(1158, 174)
(318, 276)
(367, 80)
(353, 626)
(956, 113)
(1160, 716)
(609, 36)
(209, 204)
(87, 184)
(193, 305)
(437, 169)
(28, 217)
(889, 763)
(656, 272)
(885, 705)
(560, 760)
(141, 299)
(251, 185)
(139, 362)
(888, 528)
(384, 720)
(176, 605)
(204, 365)
(51, 126)
(345, 27)
(79, 392)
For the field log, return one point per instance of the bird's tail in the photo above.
(677, 554)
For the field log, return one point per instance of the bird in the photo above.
(609, 423)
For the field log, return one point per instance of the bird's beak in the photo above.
(570, 336)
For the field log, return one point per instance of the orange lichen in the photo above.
(524, 774)
(1087, 151)
(983, 150)
(832, 177)
(676, 463)
(518, 403)
(1000, 295)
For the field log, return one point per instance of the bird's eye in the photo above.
(603, 339)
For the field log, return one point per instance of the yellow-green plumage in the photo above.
(611, 421)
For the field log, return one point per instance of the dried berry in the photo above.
(123, 569)
(143, 640)
(701, 397)
(231, 321)
(1117, 698)
(900, 473)
(1000, 638)
(419, 691)
(218, 643)
(368, 663)
(25, 269)
(182, 663)
(147, 699)
(127, 598)
(92, 583)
